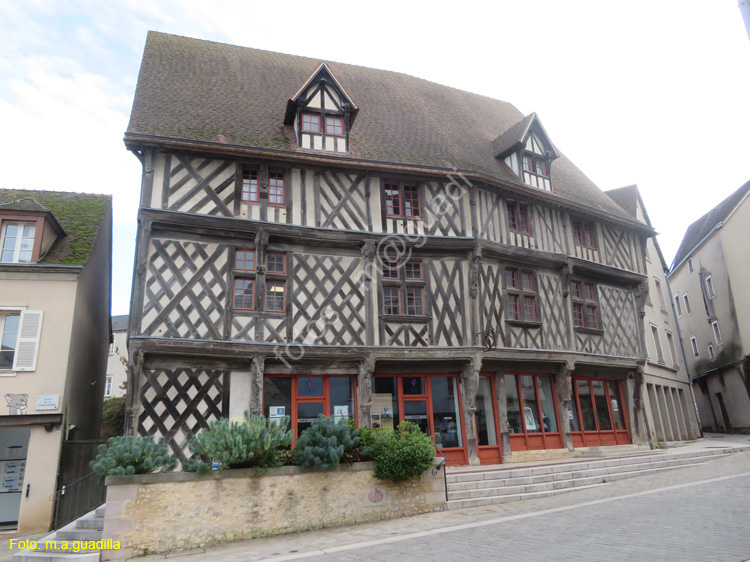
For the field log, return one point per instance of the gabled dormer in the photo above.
(322, 113)
(27, 231)
(527, 150)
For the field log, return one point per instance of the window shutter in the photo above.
(27, 346)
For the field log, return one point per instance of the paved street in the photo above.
(698, 513)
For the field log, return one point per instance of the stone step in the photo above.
(36, 556)
(494, 500)
(79, 535)
(90, 523)
(99, 511)
(577, 482)
(556, 476)
(511, 472)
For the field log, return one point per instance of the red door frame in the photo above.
(491, 454)
(597, 438)
(455, 455)
(527, 441)
(325, 399)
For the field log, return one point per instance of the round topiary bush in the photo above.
(326, 442)
(126, 454)
(402, 454)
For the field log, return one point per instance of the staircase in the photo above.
(50, 548)
(508, 483)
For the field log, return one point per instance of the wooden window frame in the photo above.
(678, 305)
(402, 283)
(694, 345)
(717, 332)
(302, 122)
(535, 160)
(672, 349)
(711, 354)
(275, 277)
(246, 176)
(584, 233)
(283, 188)
(17, 249)
(710, 288)
(4, 313)
(400, 187)
(270, 283)
(657, 344)
(518, 214)
(580, 436)
(690, 266)
(581, 302)
(688, 309)
(517, 296)
(340, 121)
(241, 279)
(236, 260)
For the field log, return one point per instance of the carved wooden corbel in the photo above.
(257, 366)
(364, 390)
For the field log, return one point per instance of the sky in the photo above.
(648, 92)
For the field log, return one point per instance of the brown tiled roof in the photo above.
(196, 90)
(626, 197)
(701, 228)
(79, 215)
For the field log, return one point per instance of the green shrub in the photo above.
(254, 443)
(402, 454)
(326, 442)
(113, 417)
(132, 455)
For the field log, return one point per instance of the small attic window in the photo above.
(322, 113)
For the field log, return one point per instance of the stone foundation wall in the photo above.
(158, 513)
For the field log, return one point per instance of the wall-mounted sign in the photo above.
(48, 402)
(340, 413)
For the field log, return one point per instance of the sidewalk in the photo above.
(354, 542)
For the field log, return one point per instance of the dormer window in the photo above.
(535, 165)
(17, 245)
(322, 113)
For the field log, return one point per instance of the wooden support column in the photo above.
(364, 391)
(257, 367)
(135, 378)
(469, 387)
(502, 413)
(564, 391)
(368, 268)
(475, 258)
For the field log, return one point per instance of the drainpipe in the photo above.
(682, 349)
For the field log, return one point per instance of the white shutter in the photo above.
(27, 346)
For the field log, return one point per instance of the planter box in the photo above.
(158, 513)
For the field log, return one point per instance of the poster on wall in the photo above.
(340, 413)
(382, 405)
(275, 413)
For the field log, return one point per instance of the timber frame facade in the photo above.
(270, 278)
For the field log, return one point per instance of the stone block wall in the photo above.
(159, 513)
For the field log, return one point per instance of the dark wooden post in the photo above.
(364, 391)
(502, 413)
(469, 388)
(564, 391)
(256, 385)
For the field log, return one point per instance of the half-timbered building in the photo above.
(321, 238)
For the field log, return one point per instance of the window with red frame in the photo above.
(583, 233)
(334, 126)
(310, 123)
(521, 295)
(403, 288)
(250, 191)
(518, 217)
(244, 260)
(275, 300)
(401, 199)
(243, 294)
(585, 305)
(535, 165)
(276, 188)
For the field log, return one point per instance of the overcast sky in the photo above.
(652, 92)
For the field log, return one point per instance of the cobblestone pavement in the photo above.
(699, 513)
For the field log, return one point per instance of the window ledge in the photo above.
(398, 218)
(585, 330)
(7, 373)
(405, 318)
(524, 323)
